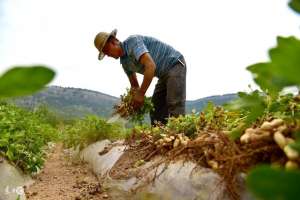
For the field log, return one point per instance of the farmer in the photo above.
(150, 57)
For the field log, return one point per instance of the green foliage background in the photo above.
(24, 136)
(89, 130)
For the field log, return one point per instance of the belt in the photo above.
(181, 62)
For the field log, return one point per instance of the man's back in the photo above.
(163, 54)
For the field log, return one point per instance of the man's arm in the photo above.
(133, 81)
(149, 69)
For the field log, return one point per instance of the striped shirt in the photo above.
(162, 54)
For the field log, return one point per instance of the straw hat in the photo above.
(100, 40)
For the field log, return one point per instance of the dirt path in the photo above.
(63, 180)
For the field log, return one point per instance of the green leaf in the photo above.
(237, 132)
(20, 81)
(295, 5)
(274, 184)
(284, 68)
(10, 154)
(286, 60)
(266, 79)
(252, 103)
(4, 142)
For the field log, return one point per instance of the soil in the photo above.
(62, 179)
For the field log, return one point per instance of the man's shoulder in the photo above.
(133, 38)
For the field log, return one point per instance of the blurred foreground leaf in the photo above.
(295, 5)
(20, 81)
(274, 184)
(284, 68)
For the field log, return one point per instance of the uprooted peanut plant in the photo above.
(126, 110)
(206, 138)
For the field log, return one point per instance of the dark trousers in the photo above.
(170, 94)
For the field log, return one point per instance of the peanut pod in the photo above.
(276, 122)
(280, 139)
(290, 152)
(266, 126)
(291, 165)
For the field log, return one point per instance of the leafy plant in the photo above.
(212, 118)
(48, 116)
(218, 118)
(89, 130)
(23, 137)
(23, 134)
(184, 124)
(126, 110)
(282, 71)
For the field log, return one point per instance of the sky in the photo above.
(218, 39)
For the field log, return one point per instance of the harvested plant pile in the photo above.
(127, 111)
(206, 139)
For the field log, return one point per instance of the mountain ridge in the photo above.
(77, 102)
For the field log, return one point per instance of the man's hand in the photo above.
(149, 70)
(133, 90)
(138, 100)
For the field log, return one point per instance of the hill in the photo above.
(75, 102)
(199, 104)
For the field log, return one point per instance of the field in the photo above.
(256, 134)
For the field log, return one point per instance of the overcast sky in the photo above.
(219, 39)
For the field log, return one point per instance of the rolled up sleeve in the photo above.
(137, 47)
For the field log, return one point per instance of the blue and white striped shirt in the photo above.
(162, 54)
